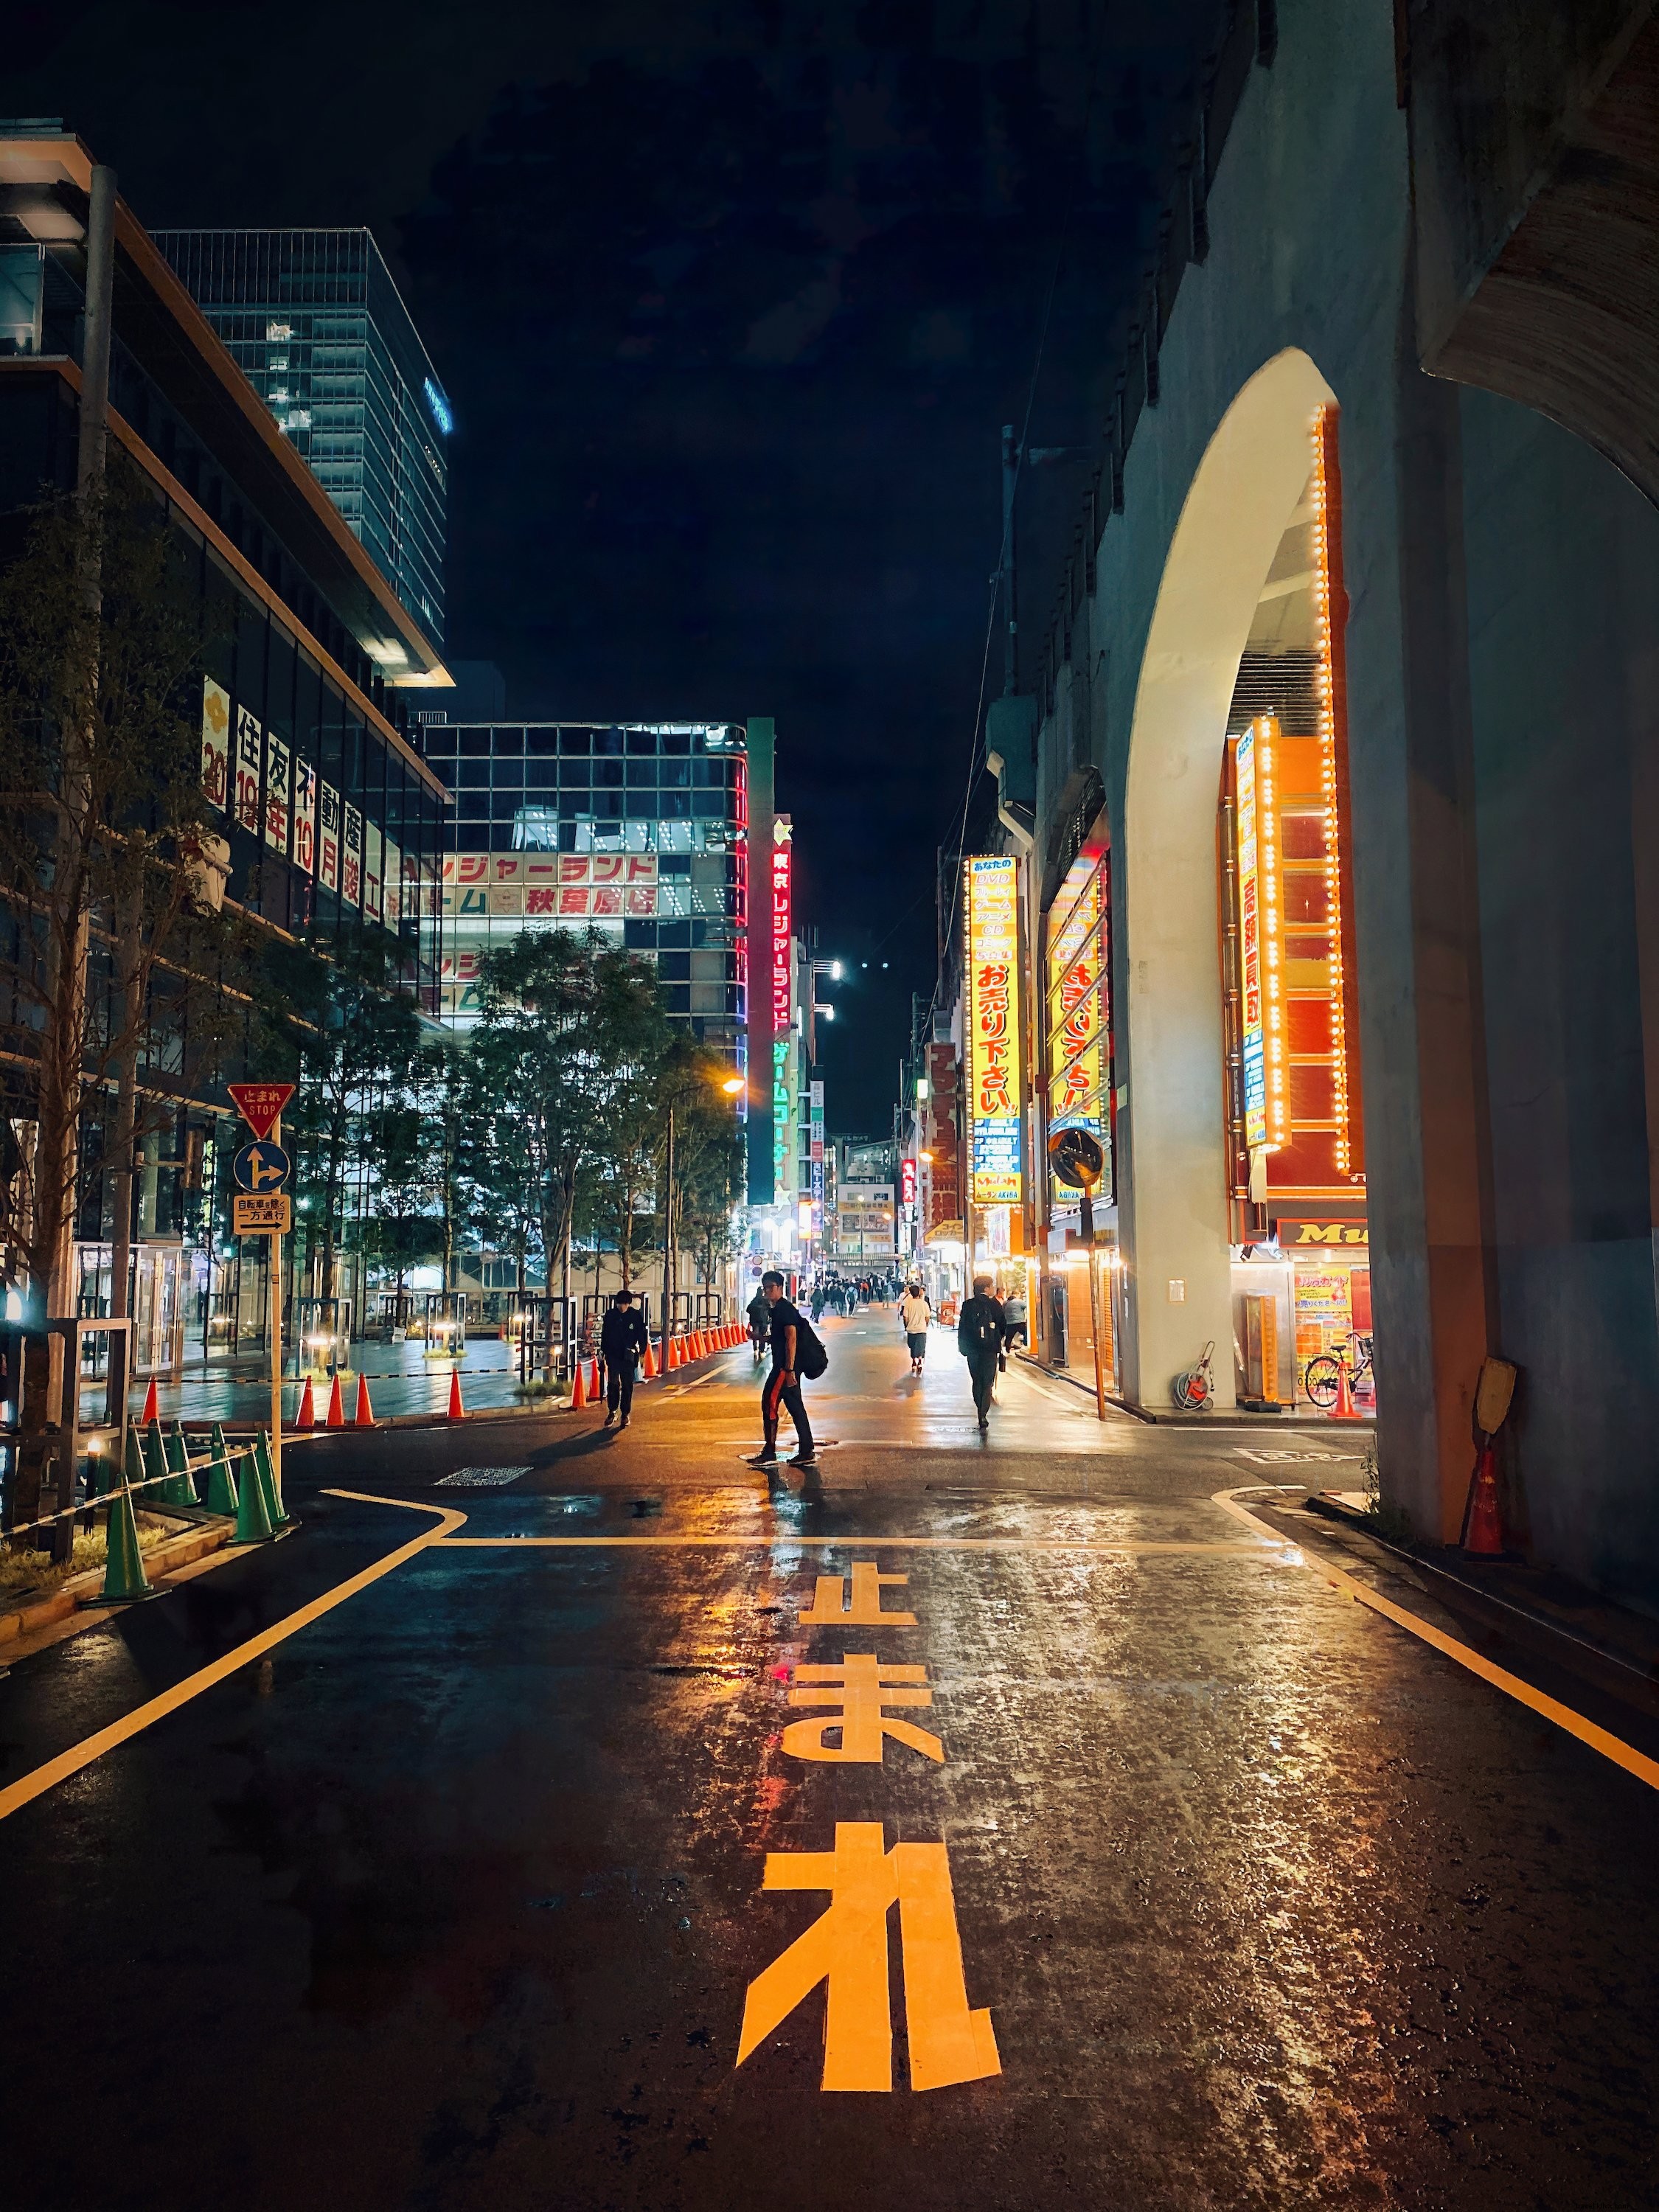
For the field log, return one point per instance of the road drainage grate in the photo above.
(479, 1477)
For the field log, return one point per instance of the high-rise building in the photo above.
(638, 830)
(314, 320)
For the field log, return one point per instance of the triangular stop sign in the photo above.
(259, 1103)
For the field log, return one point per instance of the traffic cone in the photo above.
(336, 1409)
(181, 1490)
(595, 1387)
(152, 1411)
(306, 1416)
(275, 1511)
(363, 1418)
(1483, 1527)
(1343, 1410)
(124, 1579)
(578, 1388)
(221, 1482)
(651, 1370)
(253, 1514)
(155, 1463)
(456, 1411)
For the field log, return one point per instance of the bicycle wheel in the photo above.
(1320, 1378)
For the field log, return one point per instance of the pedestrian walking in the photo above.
(817, 1301)
(780, 1392)
(759, 1317)
(622, 1341)
(913, 1319)
(979, 1339)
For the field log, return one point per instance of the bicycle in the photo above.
(1322, 1373)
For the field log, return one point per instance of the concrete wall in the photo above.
(1502, 704)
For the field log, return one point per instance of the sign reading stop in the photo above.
(260, 1104)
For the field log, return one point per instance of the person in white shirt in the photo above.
(913, 1319)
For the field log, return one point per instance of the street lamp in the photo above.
(733, 1086)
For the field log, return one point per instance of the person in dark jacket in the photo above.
(980, 1338)
(781, 1388)
(759, 1317)
(621, 1346)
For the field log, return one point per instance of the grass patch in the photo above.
(27, 1574)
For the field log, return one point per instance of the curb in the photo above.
(161, 1560)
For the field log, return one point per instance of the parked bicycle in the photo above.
(1322, 1373)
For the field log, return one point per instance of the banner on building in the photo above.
(216, 742)
(250, 756)
(278, 766)
(995, 1094)
(329, 827)
(352, 856)
(305, 817)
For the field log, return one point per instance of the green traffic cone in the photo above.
(181, 1490)
(252, 1520)
(221, 1482)
(135, 1469)
(268, 1481)
(156, 1463)
(124, 1579)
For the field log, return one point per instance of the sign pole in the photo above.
(276, 1344)
(1087, 1210)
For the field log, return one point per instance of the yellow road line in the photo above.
(787, 1543)
(1550, 1709)
(35, 1785)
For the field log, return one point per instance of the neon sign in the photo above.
(994, 1091)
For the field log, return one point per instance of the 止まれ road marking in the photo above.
(1550, 1709)
(28, 1787)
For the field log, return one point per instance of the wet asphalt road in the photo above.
(453, 1898)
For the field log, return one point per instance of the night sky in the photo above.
(731, 303)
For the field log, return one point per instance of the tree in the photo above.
(570, 1035)
(118, 974)
(707, 1153)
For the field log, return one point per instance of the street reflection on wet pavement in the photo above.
(1221, 1890)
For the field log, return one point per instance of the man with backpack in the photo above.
(980, 1337)
(796, 1351)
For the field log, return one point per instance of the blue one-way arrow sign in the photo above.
(262, 1167)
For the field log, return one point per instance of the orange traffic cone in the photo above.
(579, 1389)
(456, 1411)
(336, 1407)
(364, 1416)
(150, 1413)
(306, 1416)
(595, 1387)
(651, 1369)
(1343, 1410)
(1483, 1527)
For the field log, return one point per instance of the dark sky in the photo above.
(731, 302)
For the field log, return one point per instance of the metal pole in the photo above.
(668, 1236)
(276, 1343)
(1010, 625)
(1087, 1211)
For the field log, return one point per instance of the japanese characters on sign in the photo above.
(1078, 1005)
(554, 887)
(216, 742)
(328, 836)
(351, 856)
(373, 854)
(995, 1142)
(781, 984)
(250, 750)
(1266, 1123)
(277, 764)
(305, 817)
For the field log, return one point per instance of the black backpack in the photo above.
(811, 1358)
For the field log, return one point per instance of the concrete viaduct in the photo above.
(1443, 217)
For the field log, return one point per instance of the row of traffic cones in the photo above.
(362, 1417)
(587, 1386)
(246, 1491)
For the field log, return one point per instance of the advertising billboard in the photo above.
(995, 1092)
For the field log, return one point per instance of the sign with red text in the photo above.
(259, 1104)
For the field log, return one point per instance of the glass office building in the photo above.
(314, 320)
(638, 830)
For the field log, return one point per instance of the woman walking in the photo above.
(913, 1319)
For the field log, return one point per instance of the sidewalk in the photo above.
(401, 1380)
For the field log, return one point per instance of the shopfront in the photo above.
(1301, 1277)
(1078, 1292)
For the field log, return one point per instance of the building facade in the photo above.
(315, 322)
(332, 822)
(638, 830)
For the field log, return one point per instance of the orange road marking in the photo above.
(847, 1947)
(36, 1784)
(858, 1689)
(1270, 1547)
(1575, 1724)
(830, 1598)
